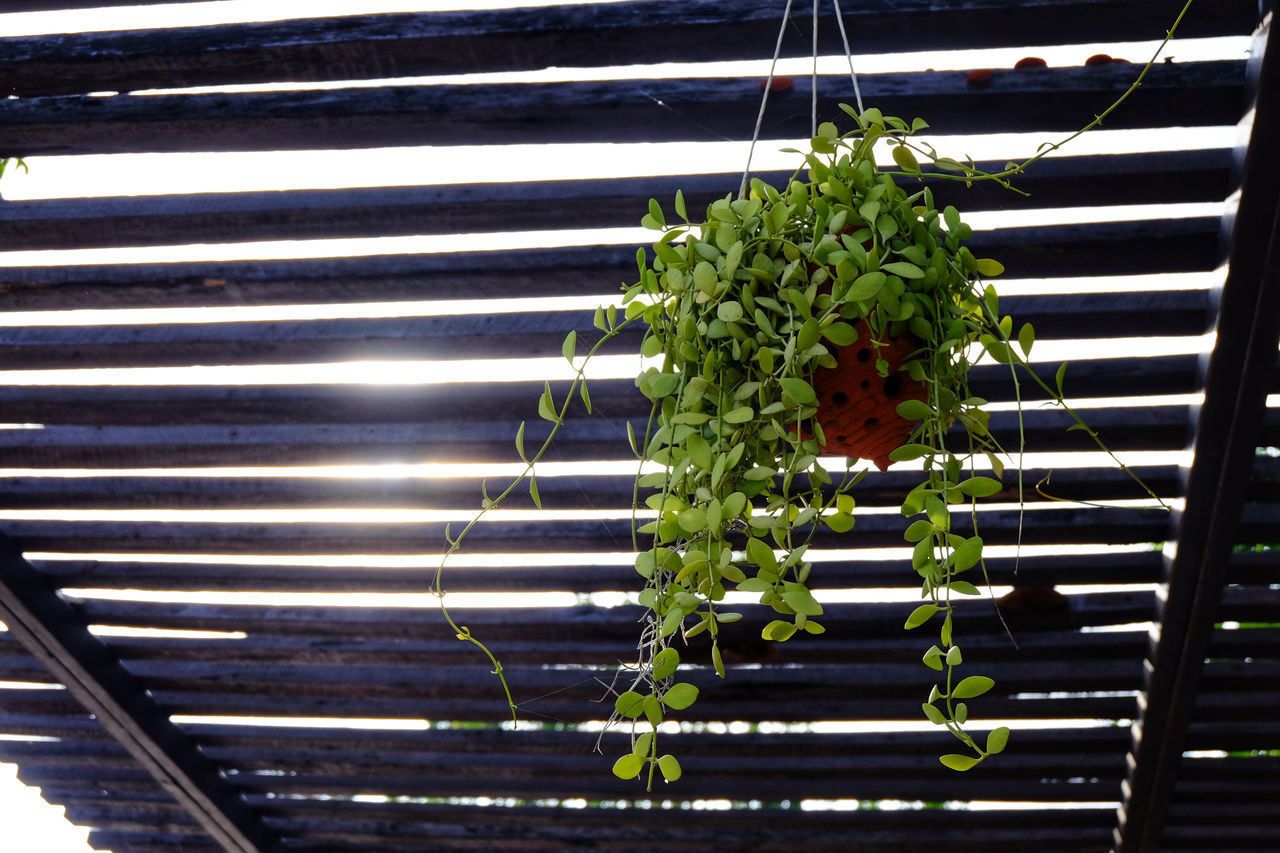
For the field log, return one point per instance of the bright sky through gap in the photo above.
(102, 175)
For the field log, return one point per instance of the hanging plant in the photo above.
(837, 316)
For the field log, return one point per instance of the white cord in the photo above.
(813, 113)
(857, 94)
(768, 84)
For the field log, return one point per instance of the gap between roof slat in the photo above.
(451, 169)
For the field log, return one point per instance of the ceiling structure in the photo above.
(1150, 687)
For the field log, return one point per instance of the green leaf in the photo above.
(907, 452)
(840, 334)
(798, 390)
(808, 335)
(959, 762)
(681, 211)
(570, 345)
(740, 415)
(968, 553)
(586, 397)
(705, 276)
(866, 286)
(664, 384)
(919, 530)
(841, 522)
(699, 451)
(914, 410)
(652, 710)
(547, 405)
(645, 564)
(980, 487)
(937, 512)
(952, 218)
(643, 744)
(887, 226)
(974, 685)
(1062, 374)
(670, 768)
(935, 716)
(921, 615)
(761, 555)
(778, 631)
(802, 601)
(533, 491)
(680, 696)
(665, 663)
(903, 269)
(716, 660)
(997, 740)
(964, 588)
(1026, 337)
(933, 659)
(655, 211)
(520, 442)
(629, 704)
(729, 311)
(903, 157)
(989, 267)
(628, 766)
(954, 658)
(693, 520)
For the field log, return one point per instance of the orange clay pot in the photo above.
(857, 407)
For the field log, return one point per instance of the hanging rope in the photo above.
(813, 112)
(768, 84)
(848, 54)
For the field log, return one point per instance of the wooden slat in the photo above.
(375, 46)
(1141, 567)
(1105, 315)
(1037, 643)
(1050, 526)
(556, 493)
(764, 829)
(1167, 177)
(602, 785)
(439, 406)
(1050, 100)
(1123, 248)
(586, 625)
(1141, 428)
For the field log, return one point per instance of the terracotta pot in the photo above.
(857, 407)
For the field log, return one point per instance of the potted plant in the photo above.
(836, 316)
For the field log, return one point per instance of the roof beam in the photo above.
(1227, 432)
(53, 632)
